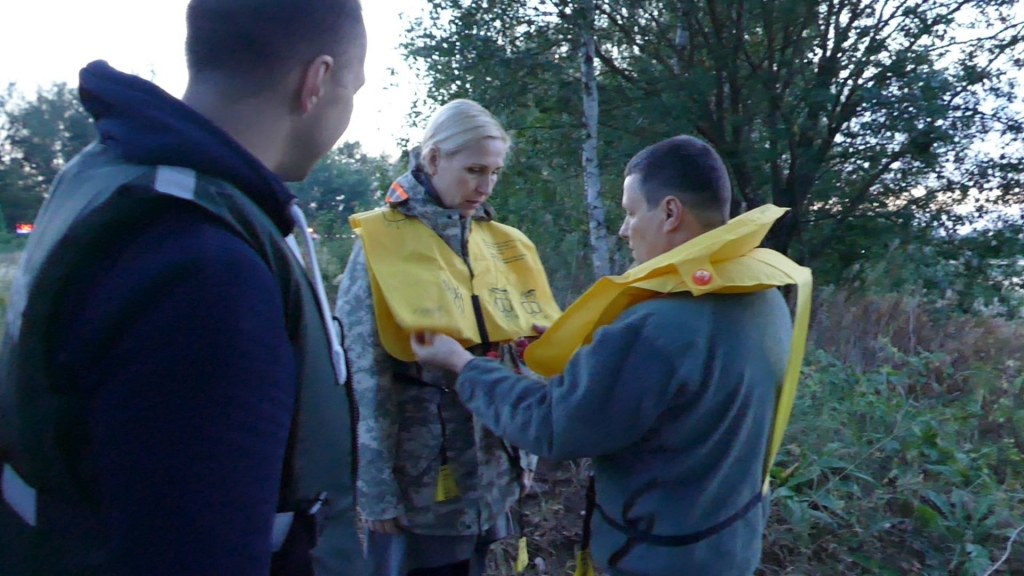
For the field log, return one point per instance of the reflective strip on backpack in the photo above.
(294, 245)
(19, 495)
(279, 532)
(176, 181)
(22, 499)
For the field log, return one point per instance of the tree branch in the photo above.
(1006, 555)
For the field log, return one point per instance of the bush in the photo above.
(333, 253)
(888, 472)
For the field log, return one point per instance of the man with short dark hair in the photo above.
(174, 396)
(677, 377)
(682, 178)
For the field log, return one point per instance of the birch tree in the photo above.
(599, 240)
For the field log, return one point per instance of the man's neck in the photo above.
(252, 122)
(684, 236)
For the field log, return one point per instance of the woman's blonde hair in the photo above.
(459, 124)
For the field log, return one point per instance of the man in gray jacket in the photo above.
(674, 400)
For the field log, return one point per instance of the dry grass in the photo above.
(553, 519)
(861, 331)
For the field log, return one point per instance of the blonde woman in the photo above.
(434, 486)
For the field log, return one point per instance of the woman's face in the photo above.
(466, 180)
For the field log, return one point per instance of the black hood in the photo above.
(149, 126)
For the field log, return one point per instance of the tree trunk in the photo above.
(599, 240)
(682, 42)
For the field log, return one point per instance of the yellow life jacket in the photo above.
(725, 260)
(420, 283)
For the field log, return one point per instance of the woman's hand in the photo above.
(439, 350)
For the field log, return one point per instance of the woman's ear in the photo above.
(432, 161)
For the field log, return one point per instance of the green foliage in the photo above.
(978, 269)
(8, 269)
(11, 243)
(332, 254)
(878, 479)
(874, 123)
(344, 182)
(37, 138)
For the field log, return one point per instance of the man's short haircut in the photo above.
(689, 169)
(252, 43)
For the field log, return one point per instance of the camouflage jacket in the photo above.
(405, 413)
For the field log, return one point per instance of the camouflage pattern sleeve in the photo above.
(379, 496)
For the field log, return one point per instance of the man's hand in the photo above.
(522, 343)
(390, 526)
(439, 350)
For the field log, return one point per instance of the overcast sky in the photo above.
(47, 41)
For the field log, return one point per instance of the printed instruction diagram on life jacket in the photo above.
(503, 303)
(505, 252)
(455, 294)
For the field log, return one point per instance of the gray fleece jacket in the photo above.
(673, 401)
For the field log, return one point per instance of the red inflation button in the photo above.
(702, 277)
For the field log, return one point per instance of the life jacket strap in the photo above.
(678, 541)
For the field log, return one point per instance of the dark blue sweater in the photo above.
(178, 335)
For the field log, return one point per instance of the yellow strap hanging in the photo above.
(797, 349)
(447, 489)
(584, 563)
(522, 556)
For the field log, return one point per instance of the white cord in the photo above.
(337, 353)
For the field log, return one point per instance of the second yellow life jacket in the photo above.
(420, 283)
(725, 260)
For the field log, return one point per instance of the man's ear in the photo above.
(314, 82)
(674, 212)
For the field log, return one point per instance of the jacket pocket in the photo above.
(419, 443)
